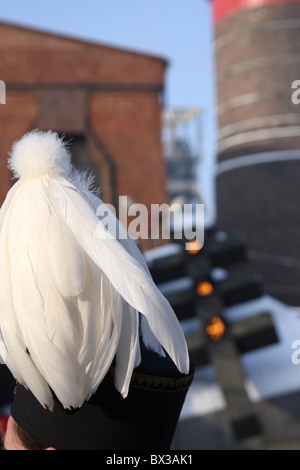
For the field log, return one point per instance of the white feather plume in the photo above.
(71, 294)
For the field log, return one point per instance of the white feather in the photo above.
(71, 294)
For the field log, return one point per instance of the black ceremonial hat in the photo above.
(145, 420)
(77, 306)
(76, 292)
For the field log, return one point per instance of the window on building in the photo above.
(80, 156)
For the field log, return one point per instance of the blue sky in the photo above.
(180, 31)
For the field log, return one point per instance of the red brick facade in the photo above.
(111, 97)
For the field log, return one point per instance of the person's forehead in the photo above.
(11, 440)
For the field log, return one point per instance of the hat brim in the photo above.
(145, 420)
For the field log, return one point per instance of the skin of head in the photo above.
(11, 439)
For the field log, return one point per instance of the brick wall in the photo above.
(110, 96)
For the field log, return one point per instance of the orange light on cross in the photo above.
(193, 247)
(216, 329)
(204, 288)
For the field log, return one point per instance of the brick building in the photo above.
(107, 99)
(257, 47)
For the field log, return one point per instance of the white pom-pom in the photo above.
(39, 153)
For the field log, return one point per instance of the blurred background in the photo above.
(188, 102)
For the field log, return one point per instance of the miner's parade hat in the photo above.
(98, 354)
(146, 419)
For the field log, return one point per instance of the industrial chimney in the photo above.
(257, 47)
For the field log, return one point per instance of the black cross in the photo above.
(201, 283)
